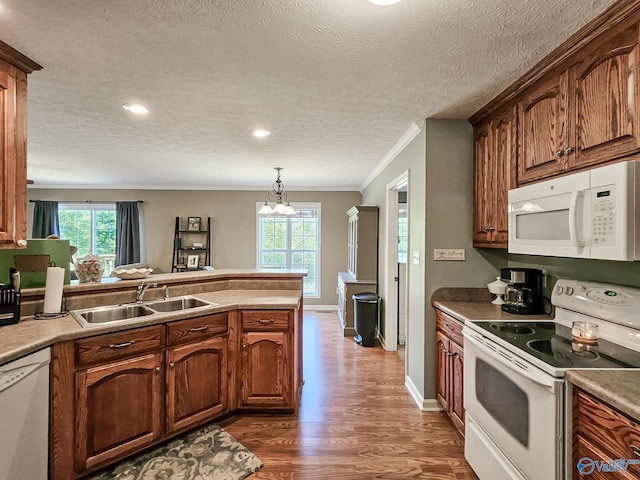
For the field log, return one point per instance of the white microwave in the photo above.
(590, 214)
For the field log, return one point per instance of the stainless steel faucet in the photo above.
(142, 287)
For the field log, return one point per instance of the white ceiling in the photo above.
(338, 83)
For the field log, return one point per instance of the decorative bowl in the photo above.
(131, 273)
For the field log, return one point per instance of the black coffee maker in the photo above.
(523, 295)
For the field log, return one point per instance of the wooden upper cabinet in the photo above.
(495, 149)
(14, 68)
(604, 100)
(543, 126)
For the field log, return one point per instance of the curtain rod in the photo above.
(87, 201)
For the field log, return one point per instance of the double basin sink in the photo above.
(124, 313)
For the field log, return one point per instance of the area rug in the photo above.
(208, 453)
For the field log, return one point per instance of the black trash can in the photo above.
(365, 318)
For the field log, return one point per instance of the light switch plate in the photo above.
(416, 258)
(448, 254)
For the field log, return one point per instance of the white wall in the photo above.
(440, 164)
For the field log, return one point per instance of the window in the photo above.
(292, 242)
(92, 229)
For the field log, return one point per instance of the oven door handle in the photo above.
(532, 374)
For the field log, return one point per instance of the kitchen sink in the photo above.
(179, 303)
(111, 314)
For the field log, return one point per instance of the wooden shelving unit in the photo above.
(183, 245)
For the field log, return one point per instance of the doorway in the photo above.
(396, 276)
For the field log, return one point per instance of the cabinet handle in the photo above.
(636, 450)
(122, 345)
(450, 354)
(199, 329)
(568, 151)
(157, 369)
(264, 320)
(448, 326)
(244, 345)
(559, 153)
(172, 365)
(22, 243)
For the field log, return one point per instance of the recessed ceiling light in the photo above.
(384, 2)
(135, 108)
(261, 133)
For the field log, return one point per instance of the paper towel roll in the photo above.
(53, 290)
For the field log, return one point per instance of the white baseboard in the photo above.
(320, 308)
(425, 405)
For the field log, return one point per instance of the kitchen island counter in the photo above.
(228, 290)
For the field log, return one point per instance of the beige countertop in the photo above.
(30, 335)
(618, 388)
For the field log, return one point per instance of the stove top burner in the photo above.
(552, 343)
(513, 328)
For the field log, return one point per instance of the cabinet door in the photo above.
(118, 409)
(604, 100)
(483, 185)
(503, 144)
(196, 383)
(456, 376)
(13, 166)
(266, 370)
(542, 130)
(442, 370)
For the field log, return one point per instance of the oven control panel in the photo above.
(615, 303)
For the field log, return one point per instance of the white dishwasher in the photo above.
(24, 417)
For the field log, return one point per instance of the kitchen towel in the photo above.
(53, 290)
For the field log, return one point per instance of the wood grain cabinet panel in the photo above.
(114, 346)
(118, 409)
(196, 383)
(543, 130)
(603, 434)
(604, 100)
(266, 374)
(450, 368)
(14, 68)
(494, 175)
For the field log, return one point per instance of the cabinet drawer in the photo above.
(197, 328)
(118, 345)
(607, 429)
(264, 320)
(451, 328)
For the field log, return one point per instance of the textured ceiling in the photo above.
(338, 82)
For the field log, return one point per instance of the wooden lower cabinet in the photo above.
(268, 376)
(196, 383)
(603, 434)
(116, 394)
(118, 409)
(450, 368)
(265, 370)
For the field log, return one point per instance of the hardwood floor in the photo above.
(356, 419)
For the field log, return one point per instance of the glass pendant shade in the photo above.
(278, 195)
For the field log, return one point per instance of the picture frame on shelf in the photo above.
(193, 224)
(192, 261)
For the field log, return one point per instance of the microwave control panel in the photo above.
(603, 209)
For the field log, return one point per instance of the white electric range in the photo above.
(515, 394)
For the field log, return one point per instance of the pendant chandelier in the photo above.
(277, 194)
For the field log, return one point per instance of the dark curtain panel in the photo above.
(127, 233)
(45, 219)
